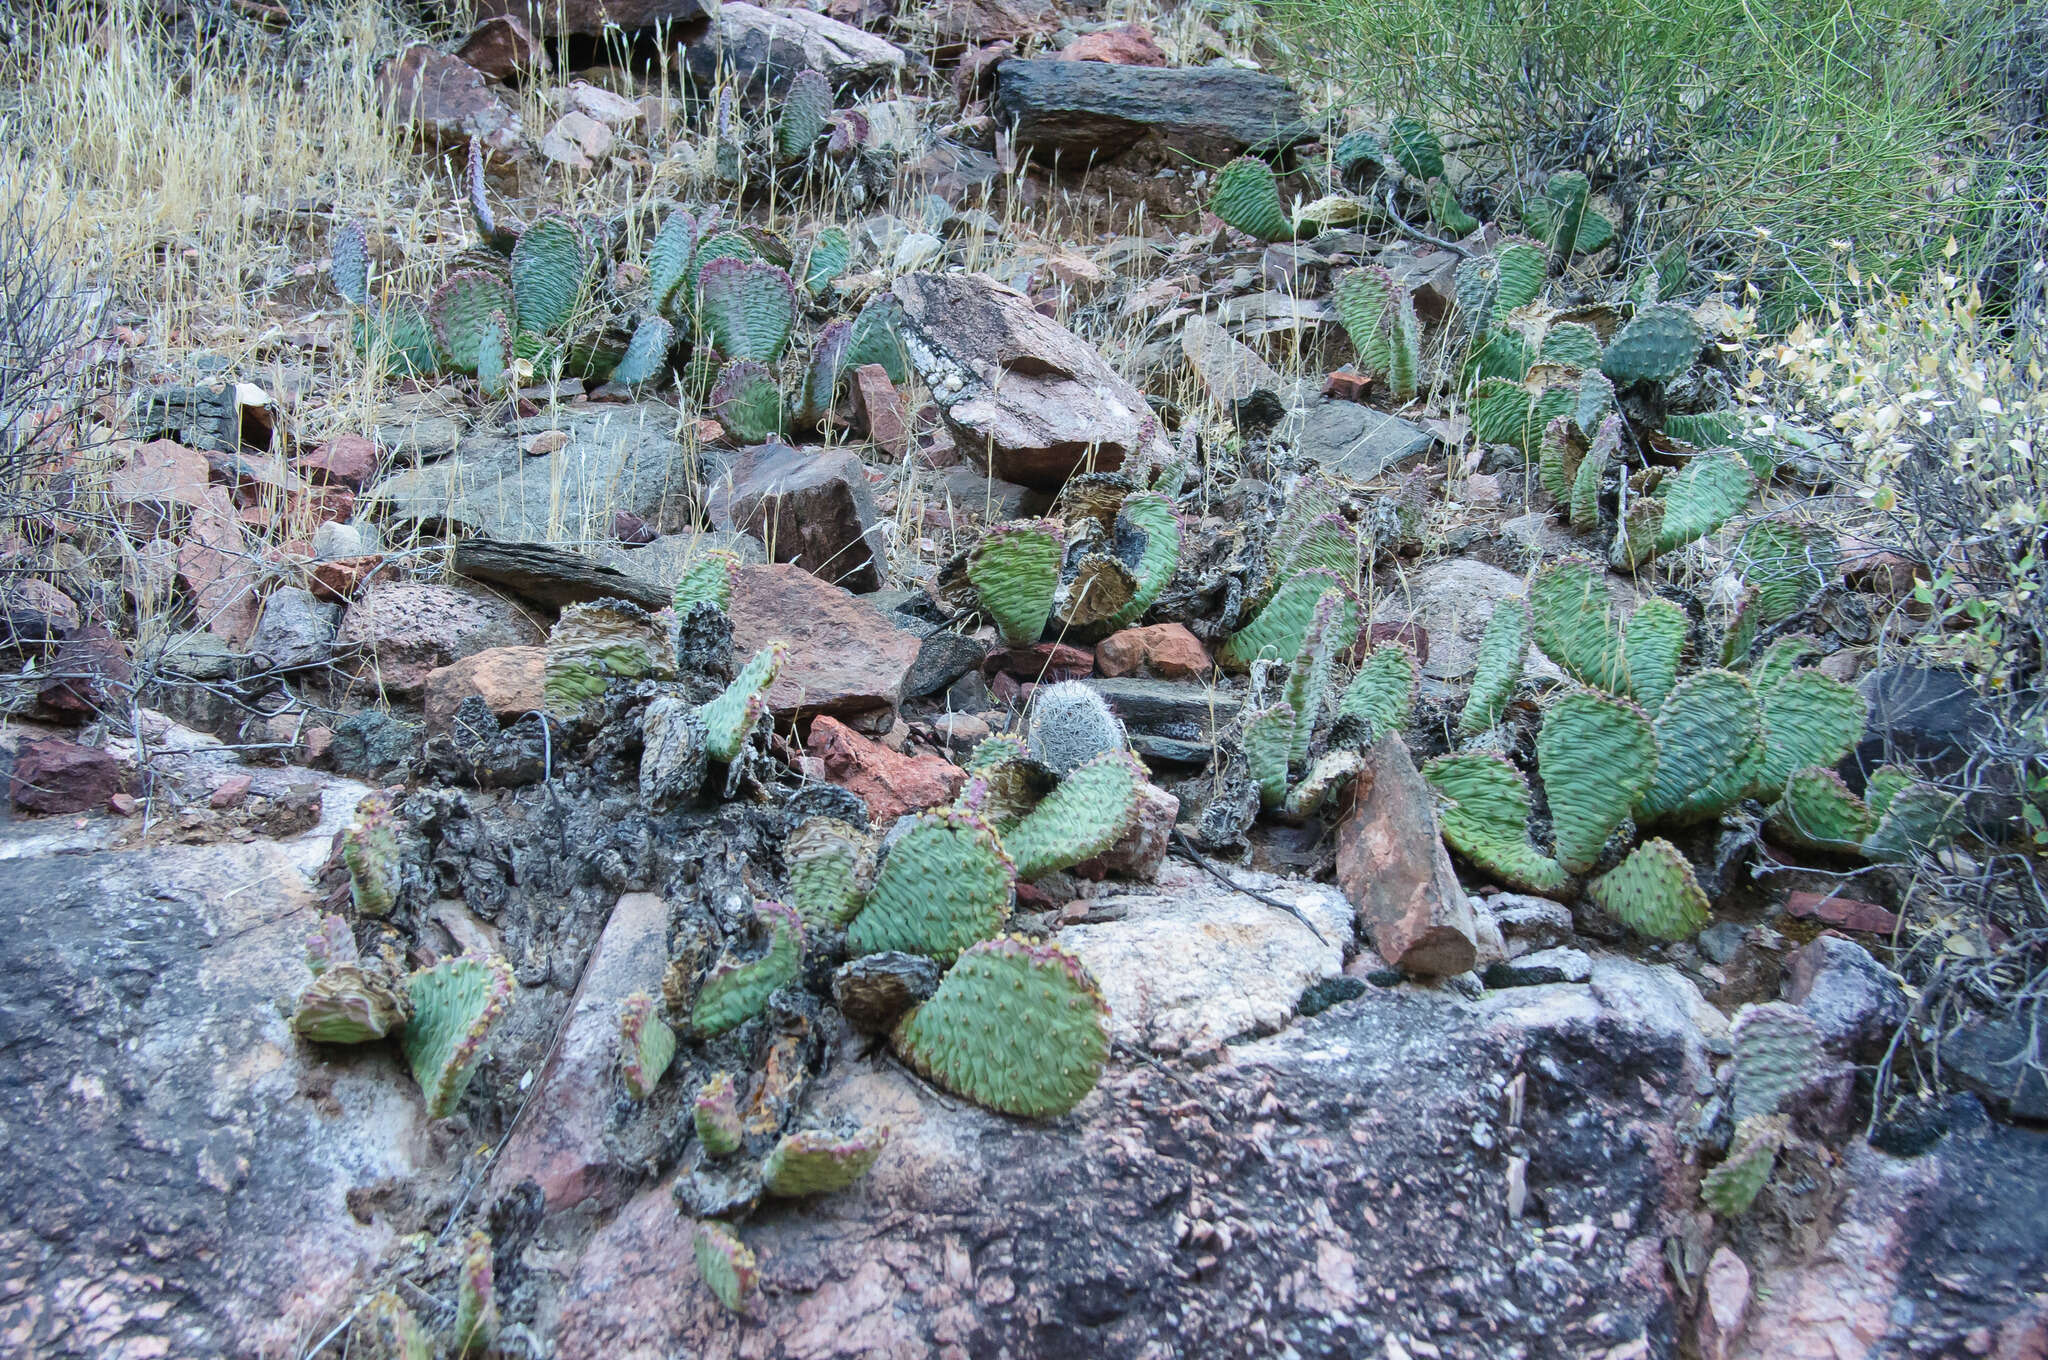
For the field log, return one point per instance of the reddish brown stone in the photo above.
(1166, 650)
(1392, 865)
(162, 481)
(502, 48)
(90, 674)
(1413, 636)
(975, 77)
(811, 507)
(230, 791)
(347, 460)
(448, 102)
(890, 784)
(684, 20)
(1124, 45)
(509, 679)
(338, 581)
(33, 611)
(845, 658)
(55, 775)
(322, 504)
(405, 631)
(122, 804)
(1844, 912)
(878, 409)
(1051, 662)
(1347, 386)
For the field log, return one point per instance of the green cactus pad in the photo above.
(877, 339)
(1777, 1055)
(492, 356)
(460, 316)
(1367, 301)
(1784, 656)
(1704, 495)
(806, 105)
(646, 359)
(476, 1304)
(1595, 232)
(1595, 400)
(349, 1004)
(1653, 643)
(729, 244)
(1592, 473)
(725, 1264)
(1445, 211)
(1786, 564)
(747, 308)
(715, 1112)
(1086, 814)
(1015, 1026)
(1738, 635)
(1916, 819)
(1565, 197)
(747, 402)
(350, 270)
(333, 944)
(1575, 626)
(736, 991)
(1152, 514)
(1809, 719)
(1309, 537)
(1558, 457)
(811, 1163)
(369, 850)
(1597, 757)
(1886, 782)
(1501, 412)
(730, 718)
(1268, 737)
(668, 261)
(454, 1005)
(831, 867)
(1503, 651)
(707, 578)
(1499, 353)
(1491, 286)
(1709, 730)
(1277, 630)
(946, 884)
(1658, 345)
(1572, 344)
(830, 255)
(998, 749)
(1248, 198)
(1485, 818)
(551, 269)
(1730, 1188)
(398, 338)
(1382, 694)
(646, 1045)
(1331, 631)
(1414, 147)
(1016, 568)
(592, 644)
(822, 374)
(1818, 812)
(1654, 893)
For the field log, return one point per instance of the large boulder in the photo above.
(1452, 601)
(811, 506)
(1081, 109)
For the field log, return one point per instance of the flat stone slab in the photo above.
(1077, 109)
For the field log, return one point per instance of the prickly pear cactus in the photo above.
(725, 1265)
(1016, 568)
(821, 375)
(1268, 734)
(1777, 1055)
(1654, 893)
(1503, 650)
(706, 579)
(1248, 198)
(997, 749)
(390, 1329)
(1709, 733)
(551, 268)
(1382, 694)
(668, 262)
(646, 358)
(1818, 812)
(369, 849)
(1658, 345)
(593, 644)
(1015, 1026)
(1809, 719)
(1414, 147)
(1652, 645)
(1566, 193)
(1152, 514)
(476, 1303)
(736, 991)
(1331, 632)
(350, 270)
(946, 884)
(1592, 475)
(1730, 1188)
(1575, 626)
(1702, 496)
(454, 1005)
(333, 944)
(747, 402)
(1597, 756)
(716, 1114)
(808, 1162)
(1786, 564)
(1485, 818)
(1446, 212)
(1276, 631)
(1491, 286)
(1572, 344)
(1916, 819)
(460, 312)
(806, 105)
(831, 867)
(731, 717)
(1087, 813)
(646, 1045)
(830, 255)
(877, 338)
(1069, 725)
(351, 1004)
(747, 308)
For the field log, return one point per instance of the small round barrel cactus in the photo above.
(1069, 725)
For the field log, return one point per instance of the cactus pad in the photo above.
(1015, 1026)
(1786, 564)
(1652, 644)
(747, 402)
(1382, 694)
(1379, 316)
(1559, 454)
(1445, 211)
(1414, 147)
(1564, 213)
(551, 267)
(1330, 632)
(460, 315)
(1592, 473)
(1248, 198)
(350, 1004)
(593, 643)
(1784, 656)
(369, 850)
(1705, 494)
(1916, 818)
(332, 944)
(1597, 757)
(1574, 624)
(1654, 893)
(646, 357)
(350, 250)
(1153, 515)
(747, 308)
(831, 867)
(454, 1005)
(1016, 568)
(1485, 818)
(1730, 1188)
(476, 1304)
(821, 375)
(668, 261)
(706, 579)
(1087, 813)
(806, 104)
(1069, 725)
(731, 717)
(1268, 737)
(646, 1045)
(1818, 812)
(1658, 345)
(1809, 719)
(1571, 343)
(736, 991)
(1276, 631)
(1777, 1055)
(877, 338)
(716, 1114)
(711, 245)
(811, 1163)
(1708, 729)
(725, 1265)
(946, 884)
(830, 255)
(1503, 650)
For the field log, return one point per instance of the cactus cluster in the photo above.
(1097, 566)
(1379, 316)
(735, 991)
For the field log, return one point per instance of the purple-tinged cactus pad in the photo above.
(812, 1163)
(646, 1045)
(726, 1265)
(455, 1003)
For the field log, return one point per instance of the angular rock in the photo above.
(555, 577)
(447, 102)
(985, 498)
(844, 658)
(878, 410)
(1244, 385)
(1356, 441)
(577, 141)
(296, 630)
(977, 22)
(1393, 866)
(373, 744)
(510, 680)
(160, 484)
(1539, 968)
(1996, 1059)
(403, 631)
(761, 50)
(682, 20)
(890, 784)
(1079, 109)
(1855, 1000)
(594, 101)
(1165, 650)
(561, 1145)
(1726, 1311)
(91, 673)
(502, 48)
(35, 614)
(1142, 851)
(943, 656)
(658, 564)
(1843, 913)
(347, 460)
(1123, 45)
(1024, 397)
(55, 775)
(812, 506)
(1530, 922)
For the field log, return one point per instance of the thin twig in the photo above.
(1188, 848)
(1421, 235)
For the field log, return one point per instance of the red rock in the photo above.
(1166, 650)
(122, 804)
(878, 409)
(230, 791)
(1347, 386)
(34, 611)
(1051, 662)
(1482, 491)
(447, 102)
(845, 658)
(1877, 569)
(316, 743)
(90, 674)
(338, 581)
(1726, 1313)
(628, 527)
(405, 631)
(1844, 912)
(347, 460)
(502, 48)
(322, 504)
(890, 784)
(1392, 864)
(55, 775)
(215, 566)
(811, 506)
(1413, 636)
(160, 477)
(976, 22)
(1143, 848)
(1124, 45)
(509, 679)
